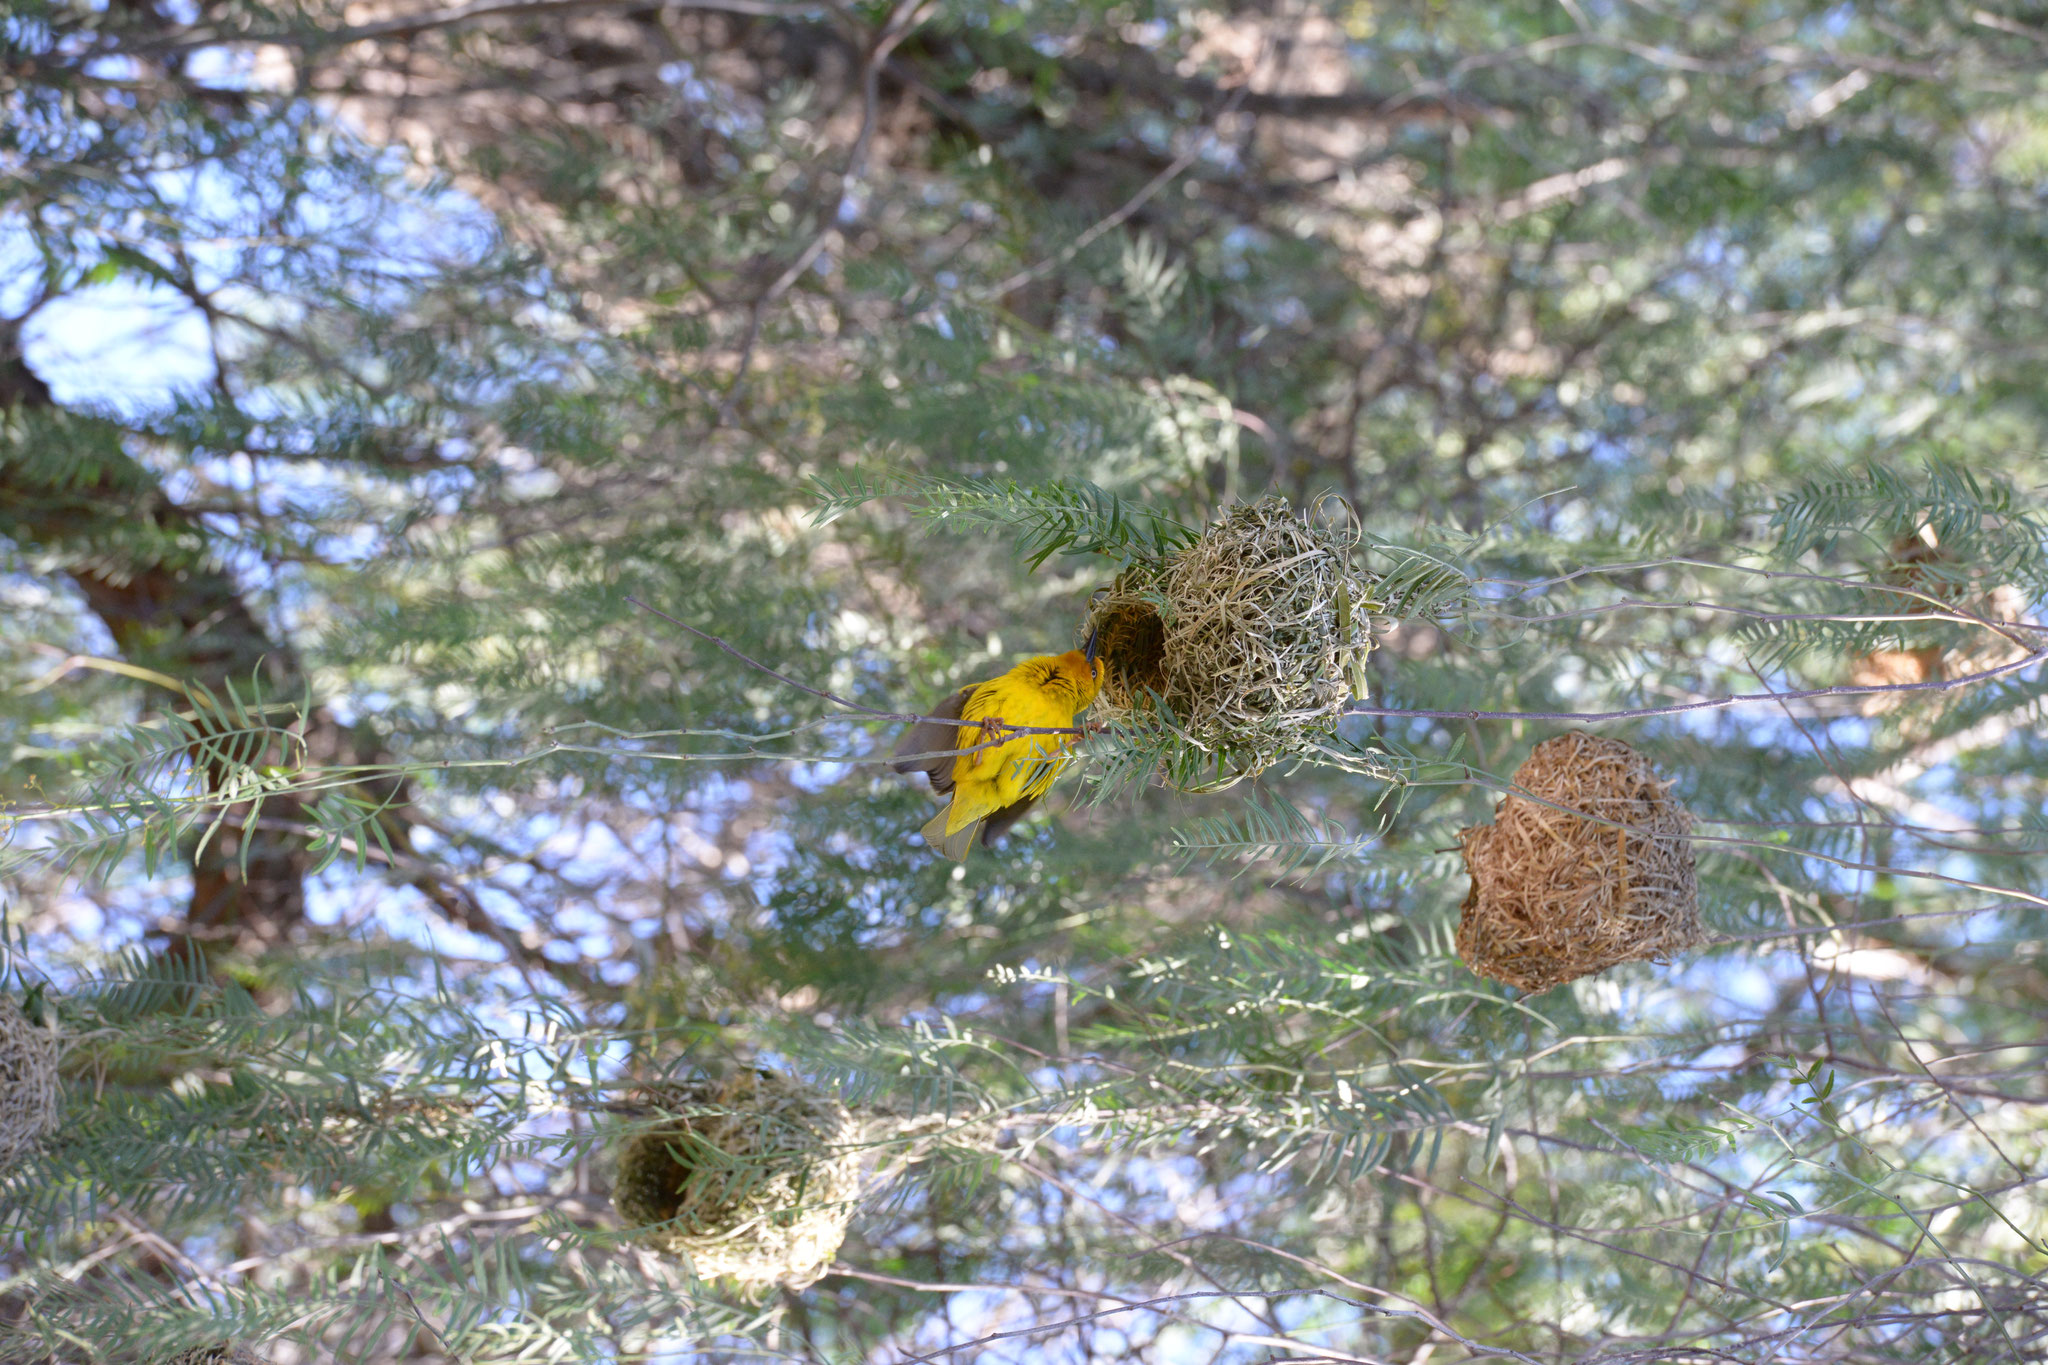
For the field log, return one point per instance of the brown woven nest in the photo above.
(1555, 895)
(1253, 638)
(753, 1178)
(221, 1353)
(28, 1082)
(1919, 562)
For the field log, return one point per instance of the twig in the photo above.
(1758, 614)
(908, 717)
(1913, 1054)
(453, 16)
(1161, 1304)
(1705, 703)
(902, 21)
(414, 1304)
(1130, 206)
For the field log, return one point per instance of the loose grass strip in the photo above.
(1248, 643)
(753, 1178)
(28, 1082)
(1555, 895)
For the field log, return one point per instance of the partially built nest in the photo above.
(28, 1082)
(1252, 639)
(222, 1353)
(754, 1178)
(1920, 562)
(1557, 895)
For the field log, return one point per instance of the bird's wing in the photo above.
(1035, 777)
(998, 822)
(925, 743)
(1035, 780)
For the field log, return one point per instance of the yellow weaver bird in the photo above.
(992, 788)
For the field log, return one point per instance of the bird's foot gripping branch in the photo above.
(993, 787)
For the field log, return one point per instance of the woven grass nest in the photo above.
(1921, 563)
(28, 1082)
(1556, 896)
(754, 1178)
(222, 1353)
(1254, 637)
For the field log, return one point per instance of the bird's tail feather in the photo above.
(954, 845)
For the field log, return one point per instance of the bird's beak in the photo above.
(1094, 643)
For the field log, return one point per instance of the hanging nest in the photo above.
(222, 1353)
(28, 1082)
(1921, 563)
(754, 1179)
(1252, 639)
(1556, 896)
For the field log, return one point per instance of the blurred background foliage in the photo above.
(358, 363)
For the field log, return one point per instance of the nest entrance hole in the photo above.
(753, 1178)
(700, 1188)
(1131, 642)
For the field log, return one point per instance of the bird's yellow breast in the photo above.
(1041, 692)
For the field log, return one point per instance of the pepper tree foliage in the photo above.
(370, 846)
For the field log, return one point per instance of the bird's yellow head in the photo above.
(1081, 673)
